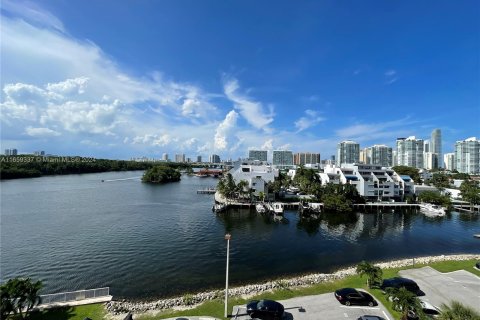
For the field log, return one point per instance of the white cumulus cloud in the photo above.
(41, 132)
(224, 129)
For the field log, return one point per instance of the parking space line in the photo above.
(345, 314)
(385, 315)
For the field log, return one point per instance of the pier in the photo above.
(207, 191)
(383, 206)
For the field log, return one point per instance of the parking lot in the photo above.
(323, 306)
(439, 288)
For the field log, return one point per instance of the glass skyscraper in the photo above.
(436, 147)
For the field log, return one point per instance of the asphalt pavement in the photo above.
(322, 306)
(439, 288)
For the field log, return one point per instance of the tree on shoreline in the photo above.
(435, 197)
(161, 174)
(19, 296)
(470, 192)
(373, 273)
(408, 171)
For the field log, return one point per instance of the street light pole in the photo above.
(227, 237)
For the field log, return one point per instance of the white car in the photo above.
(429, 309)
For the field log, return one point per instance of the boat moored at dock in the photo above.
(431, 210)
(278, 208)
(260, 208)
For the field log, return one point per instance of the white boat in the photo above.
(260, 208)
(219, 207)
(278, 208)
(432, 210)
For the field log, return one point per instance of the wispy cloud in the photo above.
(390, 76)
(32, 13)
(310, 119)
(251, 110)
(366, 132)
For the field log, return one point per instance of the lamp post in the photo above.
(227, 237)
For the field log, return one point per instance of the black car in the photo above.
(265, 309)
(399, 282)
(370, 318)
(350, 296)
(477, 265)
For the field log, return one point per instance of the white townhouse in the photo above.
(256, 173)
(373, 182)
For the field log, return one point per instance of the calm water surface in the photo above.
(77, 232)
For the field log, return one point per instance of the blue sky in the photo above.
(120, 79)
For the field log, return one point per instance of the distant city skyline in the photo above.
(203, 78)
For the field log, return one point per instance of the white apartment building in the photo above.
(255, 173)
(449, 161)
(378, 154)
(180, 158)
(347, 152)
(467, 156)
(430, 160)
(410, 152)
(373, 182)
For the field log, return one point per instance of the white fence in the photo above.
(74, 295)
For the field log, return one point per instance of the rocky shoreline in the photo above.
(188, 300)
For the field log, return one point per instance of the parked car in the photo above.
(477, 265)
(350, 296)
(265, 309)
(370, 318)
(429, 309)
(399, 282)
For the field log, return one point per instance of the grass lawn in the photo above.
(216, 308)
(92, 311)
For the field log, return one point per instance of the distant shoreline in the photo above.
(191, 300)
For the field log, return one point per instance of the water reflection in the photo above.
(463, 216)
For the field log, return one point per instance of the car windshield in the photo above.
(264, 304)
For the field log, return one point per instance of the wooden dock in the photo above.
(384, 206)
(207, 191)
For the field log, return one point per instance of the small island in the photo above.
(161, 174)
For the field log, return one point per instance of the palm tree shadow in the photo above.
(56, 313)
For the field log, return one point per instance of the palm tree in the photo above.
(373, 273)
(23, 295)
(404, 301)
(457, 311)
(261, 195)
(6, 305)
(242, 187)
(32, 298)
